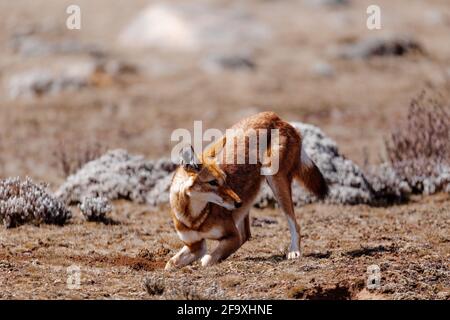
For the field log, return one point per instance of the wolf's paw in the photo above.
(294, 255)
(207, 260)
(170, 265)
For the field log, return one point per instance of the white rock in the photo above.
(323, 69)
(192, 27)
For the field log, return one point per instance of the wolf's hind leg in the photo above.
(187, 255)
(281, 188)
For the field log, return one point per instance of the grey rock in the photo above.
(371, 47)
(42, 81)
(217, 63)
(118, 175)
(34, 46)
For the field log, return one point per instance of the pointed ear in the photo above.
(188, 159)
(214, 149)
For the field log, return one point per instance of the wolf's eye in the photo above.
(213, 183)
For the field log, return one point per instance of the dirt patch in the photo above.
(91, 260)
(103, 261)
(370, 251)
(338, 291)
(319, 255)
(116, 259)
(158, 254)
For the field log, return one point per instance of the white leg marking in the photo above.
(206, 260)
(294, 250)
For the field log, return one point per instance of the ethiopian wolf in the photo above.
(211, 194)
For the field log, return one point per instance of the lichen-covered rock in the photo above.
(387, 185)
(438, 181)
(116, 175)
(160, 192)
(95, 209)
(26, 202)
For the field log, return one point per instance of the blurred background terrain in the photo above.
(114, 83)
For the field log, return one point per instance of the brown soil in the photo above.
(410, 244)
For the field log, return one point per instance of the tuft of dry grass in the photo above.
(154, 285)
(157, 284)
(69, 157)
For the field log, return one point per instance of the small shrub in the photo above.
(154, 285)
(181, 289)
(95, 208)
(185, 290)
(26, 202)
(419, 151)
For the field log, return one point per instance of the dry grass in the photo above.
(69, 157)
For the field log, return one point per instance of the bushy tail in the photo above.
(311, 177)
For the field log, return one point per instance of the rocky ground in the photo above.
(67, 96)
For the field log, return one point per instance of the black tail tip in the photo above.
(322, 190)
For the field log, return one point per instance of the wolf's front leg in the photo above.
(188, 254)
(223, 250)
